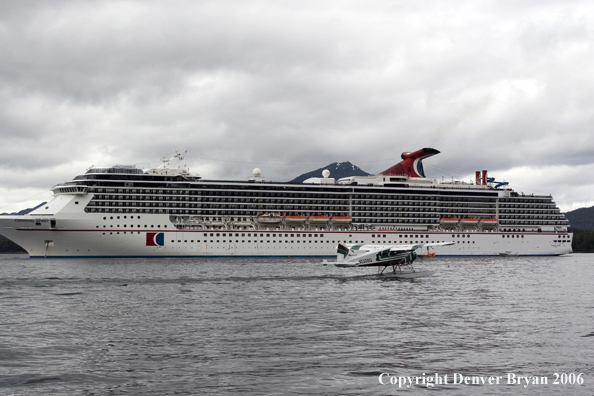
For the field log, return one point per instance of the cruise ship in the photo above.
(167, 211)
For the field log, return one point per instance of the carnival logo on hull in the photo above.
(155, 239)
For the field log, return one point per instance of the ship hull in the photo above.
(84, 238)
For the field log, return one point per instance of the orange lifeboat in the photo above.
(448, 221)
(319, 219)
(295, 219)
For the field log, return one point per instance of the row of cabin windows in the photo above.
(533, 217)
(522, 222)
(550, 211)
(356, 203)
(287, 195)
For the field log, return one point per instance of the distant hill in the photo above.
(25, 211)
(582, 218)
(337, 170)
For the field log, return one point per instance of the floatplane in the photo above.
(399, 257)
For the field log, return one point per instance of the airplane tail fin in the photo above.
(341, 252)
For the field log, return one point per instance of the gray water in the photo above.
(293, 327)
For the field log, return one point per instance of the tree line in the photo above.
(583, 241)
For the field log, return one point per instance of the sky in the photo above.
(291, 86)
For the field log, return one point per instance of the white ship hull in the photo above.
(87, 238)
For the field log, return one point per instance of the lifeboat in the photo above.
(295, 219)
(269, 218)
(451, 221)
(342, 219)
(319, 219)
(471, 221)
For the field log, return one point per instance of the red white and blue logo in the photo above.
(155, 239)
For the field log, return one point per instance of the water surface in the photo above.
(291, 326)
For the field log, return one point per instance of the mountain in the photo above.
(337, 170)
(582, 218)
(25, 211)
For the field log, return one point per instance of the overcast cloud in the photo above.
(290, 86)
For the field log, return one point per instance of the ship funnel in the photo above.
(411, 164)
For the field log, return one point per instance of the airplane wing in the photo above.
(419, 245)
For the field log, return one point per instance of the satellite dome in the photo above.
(325, 173)
(257, 172)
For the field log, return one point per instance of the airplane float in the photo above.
(399, 257)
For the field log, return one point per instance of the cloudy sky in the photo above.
(290, 86)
